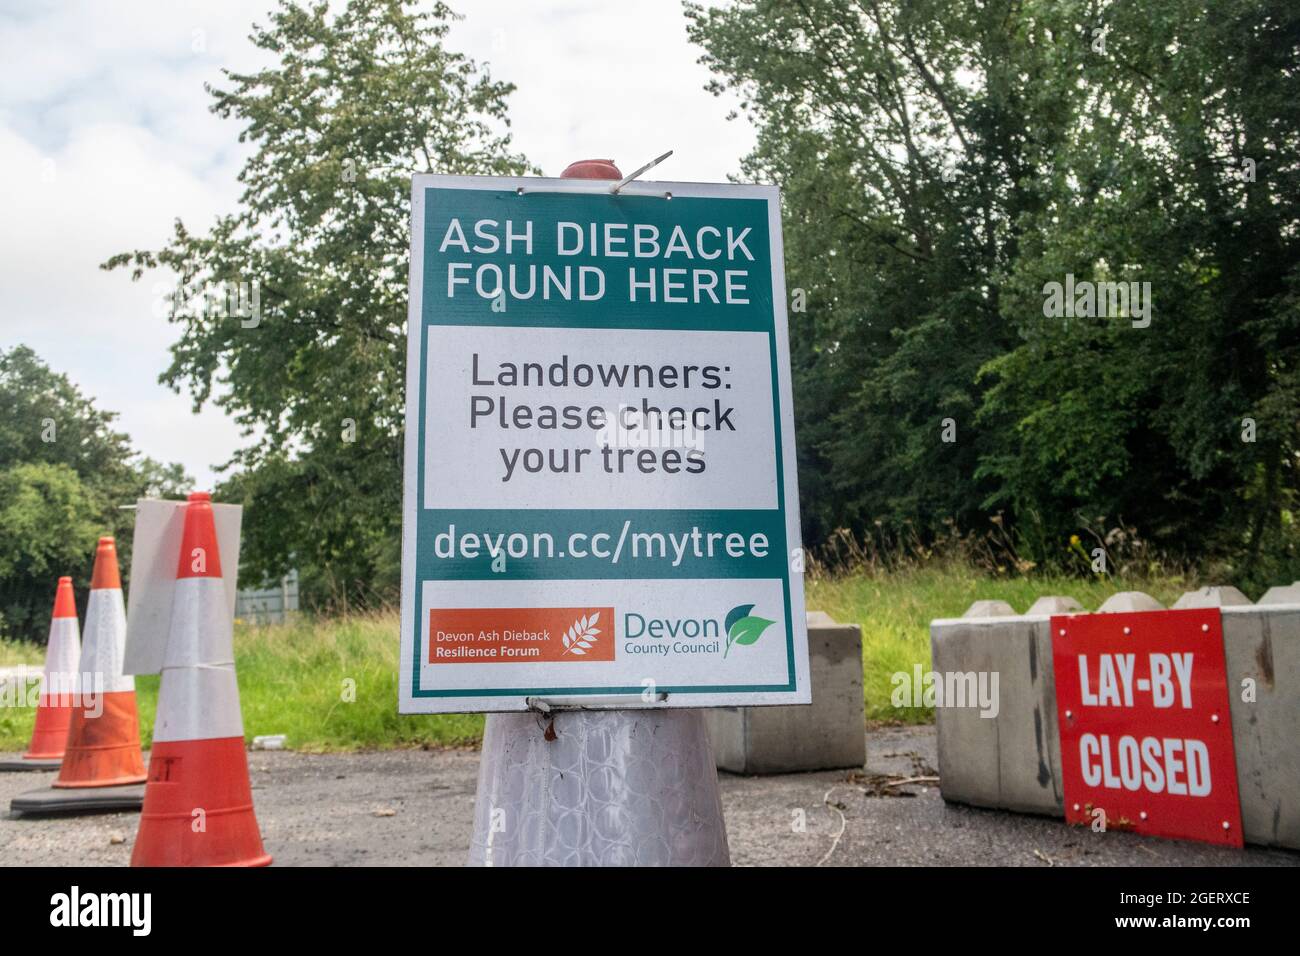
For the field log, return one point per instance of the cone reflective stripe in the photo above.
(598, 788)
(62, 657)
(198, 806)
(199, 668)
(103, 748)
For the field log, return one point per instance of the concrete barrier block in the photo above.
(990, 609)
(1263, 646)
(1216, 596)
(1029, 745)
(1055, 604)
(1124, 601)
(1013, 760)
(1282, 594)
(828, 734)
(967, 744)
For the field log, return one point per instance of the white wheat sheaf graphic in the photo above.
(579, 638)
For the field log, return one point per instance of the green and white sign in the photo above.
(600, 490)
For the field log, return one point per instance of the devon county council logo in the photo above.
(743, 627)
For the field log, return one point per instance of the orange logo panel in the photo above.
(520, 634)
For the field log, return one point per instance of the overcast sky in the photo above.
(105, 138)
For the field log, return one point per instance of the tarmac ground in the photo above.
(414, 808)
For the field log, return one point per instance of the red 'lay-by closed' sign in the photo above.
(1146, 734)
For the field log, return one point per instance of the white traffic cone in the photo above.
(608, 788)
(598, 788)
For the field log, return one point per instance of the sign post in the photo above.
(1146, 731)
(600, 499)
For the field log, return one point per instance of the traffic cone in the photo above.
(103, 747)
(198, 806)
(62, 657)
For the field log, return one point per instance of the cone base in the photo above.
(94, 784)
(50, 733)
(46, 754)
(23, 765)
(263, 860)
(92, 800)
(198, 807)
(104, 750)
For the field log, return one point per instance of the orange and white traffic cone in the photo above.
(62, 656)
(198, 806)
(103, 747)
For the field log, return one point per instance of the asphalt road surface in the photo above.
(414, 808)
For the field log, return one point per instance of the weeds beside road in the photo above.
(895, 609)
(328, 684)
(331, 683)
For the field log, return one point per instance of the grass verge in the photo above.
(331, 684)
(325, 684)
(895, 610)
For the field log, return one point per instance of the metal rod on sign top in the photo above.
(648, 166)
(614, 189)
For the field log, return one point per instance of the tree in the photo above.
(942, 162)
(897, 133)
(314, 369)
(64, 475)
(1179, 168)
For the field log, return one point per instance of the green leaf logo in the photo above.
(735, 614)
(744, 628)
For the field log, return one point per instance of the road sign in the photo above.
(600, 493)
(1146, 733)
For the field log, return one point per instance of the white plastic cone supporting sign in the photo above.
(611, 788)
(155, 553)
(199, 695)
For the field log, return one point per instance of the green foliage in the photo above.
(332, 685)
(293, 681)
(941, 161)
(860, 112)
(291, 677)
(354, 103)
(895, 608)
(1148, 185)
(47, 521)
(64, 473)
